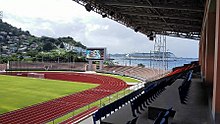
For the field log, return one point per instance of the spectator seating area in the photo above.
(147, 97)
(133, 121)
(141, 98)
(184, 88)
(133, 71)
(163, 116)
(76, 66)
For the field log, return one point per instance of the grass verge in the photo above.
(124, 78)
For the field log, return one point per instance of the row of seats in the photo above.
(151, 90)
(145, 99)
(133, 71)
(184, 88)
(163, 116)
(144, 96)
(149, 96)
(112, 107)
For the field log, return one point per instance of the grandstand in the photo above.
(142, 106)
(144, 74)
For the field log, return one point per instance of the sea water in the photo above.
(168, 64)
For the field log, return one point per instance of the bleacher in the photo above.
(184, 88)
(142, 98)
(140, 73)
(163, 116)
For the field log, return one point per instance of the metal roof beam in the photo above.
(147, 22)
(162, 16)
(140, 5)
(161, 29)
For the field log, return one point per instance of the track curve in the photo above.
(46, 111)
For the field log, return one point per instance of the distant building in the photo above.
(150, 55)
(69, 47)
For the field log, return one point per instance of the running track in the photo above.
(46, 111)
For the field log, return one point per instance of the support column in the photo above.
(203, 54)
(216, 85)
(100, 64)
(200, 50)
(210, 48)
(90, 65)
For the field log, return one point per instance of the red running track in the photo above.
(47, 111)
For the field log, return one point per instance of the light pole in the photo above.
(42, 56)
(0, 53)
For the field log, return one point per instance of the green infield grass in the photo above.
(124, 78)
(19, 92)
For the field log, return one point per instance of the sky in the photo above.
(60, 18)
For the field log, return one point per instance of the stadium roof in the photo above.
(181, 18)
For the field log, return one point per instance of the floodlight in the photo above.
(104, 15)
(137, 29)
(111, 13)
(88, 7)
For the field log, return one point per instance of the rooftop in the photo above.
(181, 18)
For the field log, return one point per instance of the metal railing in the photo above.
(103, 101)
(99, 103)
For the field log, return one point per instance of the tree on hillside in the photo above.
(141, 65)
(48, 46)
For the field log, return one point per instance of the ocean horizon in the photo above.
(168, 65)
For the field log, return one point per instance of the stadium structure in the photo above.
(188, 94)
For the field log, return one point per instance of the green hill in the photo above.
(16, 44)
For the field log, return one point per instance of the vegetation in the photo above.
(18, 45)
(19, 92)
(56, 55)
(141, 65)
(124, 78)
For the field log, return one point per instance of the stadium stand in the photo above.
(163, 116)
(133, 121)
(140, 73)
(184, 88)
(141, 98)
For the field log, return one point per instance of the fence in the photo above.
(3, 67)
(101, 102)
(22, 65)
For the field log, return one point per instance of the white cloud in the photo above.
(57, 18)
(183, 47)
